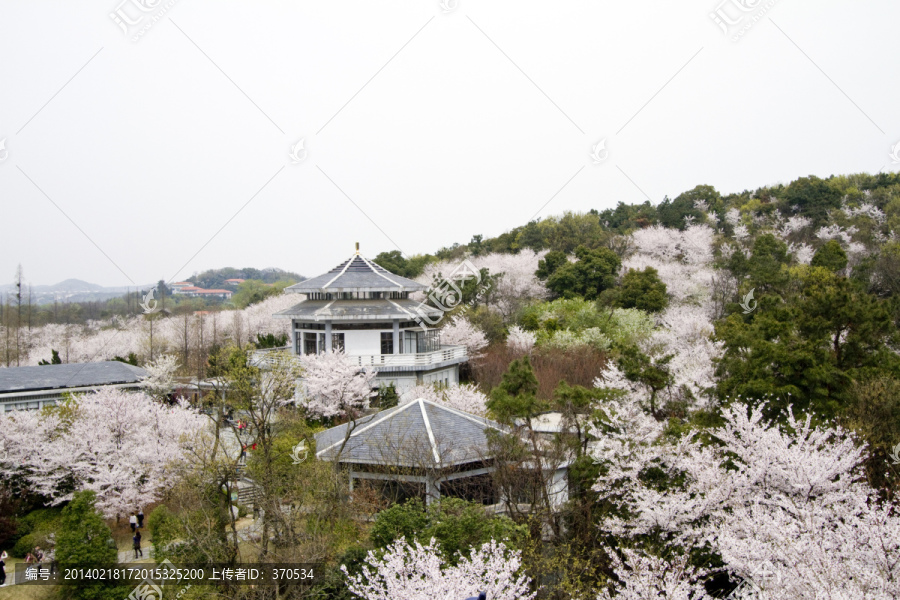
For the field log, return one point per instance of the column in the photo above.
(432, 490)
(294, 338)
(396, 336)
(328, 345)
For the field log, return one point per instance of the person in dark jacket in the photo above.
(137, 544)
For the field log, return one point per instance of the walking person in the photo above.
(50, 557)
(3, 558)
(137, 545)
(140, 518)
(132, 520)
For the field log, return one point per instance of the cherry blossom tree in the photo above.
(784, 506)
(520, 340)
(515, 285)
(119, 444)
(459, 331)
(421, 573)
(643, 576)
(105, 339)
(466, 397)
(334, 385)
(161, 376)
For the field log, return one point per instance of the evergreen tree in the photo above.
(643, 290)
(831, 256)
(595, 271)
(85, 542)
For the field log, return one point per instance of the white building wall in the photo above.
(403, 383)
(558, 488)
(362, 342)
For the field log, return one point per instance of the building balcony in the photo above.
(420, 361)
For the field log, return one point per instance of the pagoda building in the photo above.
(365, 311)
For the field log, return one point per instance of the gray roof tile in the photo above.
(357, 274)
(352, 310)
(404, 436)
(72, 375)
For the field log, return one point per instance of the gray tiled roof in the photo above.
(357, 274)
(353, 310)
(72, 375)
(418, 434)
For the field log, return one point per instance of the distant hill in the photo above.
(76, 290)
(215, 278)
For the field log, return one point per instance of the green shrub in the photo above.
(456, 524)
(35, 529)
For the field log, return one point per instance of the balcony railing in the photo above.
(420, 359)
(262, 358)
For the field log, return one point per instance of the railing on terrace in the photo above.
(263, 358)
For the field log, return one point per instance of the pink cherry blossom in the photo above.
(417, 572)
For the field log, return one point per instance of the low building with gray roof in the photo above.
(32, 388)
(425, 449)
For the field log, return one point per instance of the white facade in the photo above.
(365, 311)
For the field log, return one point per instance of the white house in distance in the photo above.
(365, 310)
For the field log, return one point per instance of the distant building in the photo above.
(234, 282)
(191, 290)
(187, 288)
(224, 294)
(365, 311)
(32, 388)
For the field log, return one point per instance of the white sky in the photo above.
(170, 155)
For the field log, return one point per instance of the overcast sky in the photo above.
(165, 150)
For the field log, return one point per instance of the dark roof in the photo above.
(357, 274)
(353, 310)
(72, 375)
(418, 434)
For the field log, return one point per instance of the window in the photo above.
(309, 343)
(337, 342)
(420, 341)
(387, 342)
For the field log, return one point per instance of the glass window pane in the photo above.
(337, 342)
(387, 342)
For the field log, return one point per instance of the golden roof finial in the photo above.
(357, 248)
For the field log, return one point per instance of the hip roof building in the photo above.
(36, 387)
(362, 309)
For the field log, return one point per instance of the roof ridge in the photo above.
(372, 265)
(434, 450)
(344, 270)
(355, 432)
(474, 418)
